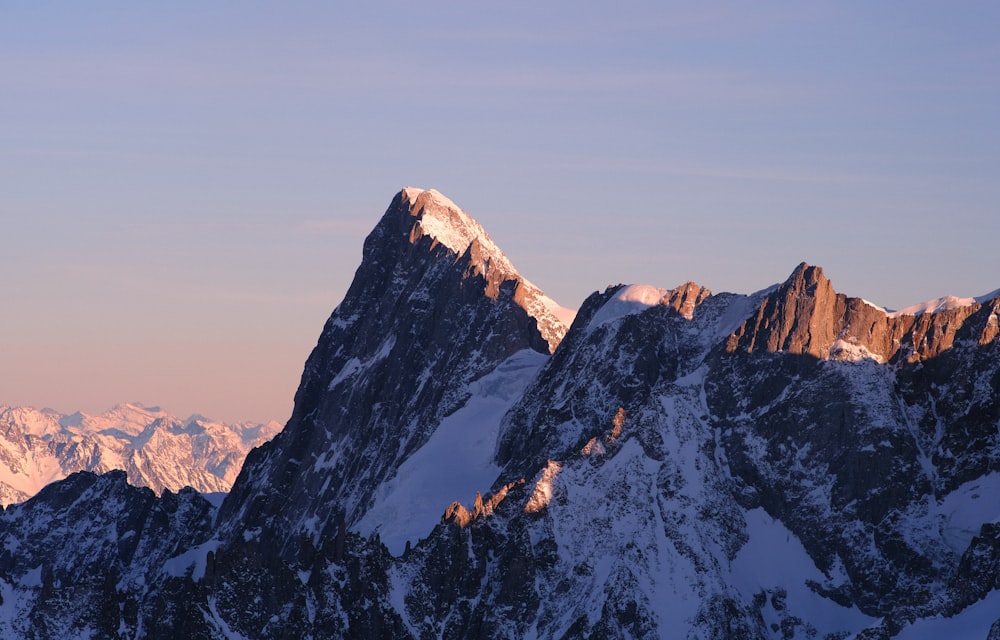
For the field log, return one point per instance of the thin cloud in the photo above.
(664, 21)
(756, 171)
(361, 224)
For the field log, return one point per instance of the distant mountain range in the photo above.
(156, 449)
(789, 464)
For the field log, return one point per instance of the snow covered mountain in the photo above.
(792, 464)
(156, 449)
(434, 307)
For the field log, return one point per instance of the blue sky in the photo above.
(186, 186)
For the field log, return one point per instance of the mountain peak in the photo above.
(435, 309)
(809, 279)
(435, 216)
(805, 315)
(444, 221)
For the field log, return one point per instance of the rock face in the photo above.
(788, 464)
(805, 315)
(88, 552)
(434, 306)
(876, 468)
(156, 449)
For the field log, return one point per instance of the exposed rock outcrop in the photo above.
(434, 306)
(805, 315)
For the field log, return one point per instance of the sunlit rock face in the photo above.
(434, 306)
(805, 315)
(791, 463)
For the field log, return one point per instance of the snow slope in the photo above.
(454, 464)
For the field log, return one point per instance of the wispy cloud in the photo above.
(358, 225)
(749, 171)
(584, 23)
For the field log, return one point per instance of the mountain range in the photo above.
(156, 449)
(791, 463)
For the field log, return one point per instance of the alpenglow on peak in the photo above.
(440, 218)
(437, 217)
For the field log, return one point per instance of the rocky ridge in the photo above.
(805, 315)
(434, 306)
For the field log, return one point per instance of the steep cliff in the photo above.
(434, 306)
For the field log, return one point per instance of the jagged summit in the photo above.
(434, 312)
(437, 216)
(433, 215)
(806, 315)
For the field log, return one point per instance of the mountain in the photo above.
(793, 463)
(434, 307)
(156, 449)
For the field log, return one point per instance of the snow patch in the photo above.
(988, 297)
(212, 616)
(215, 498)
(564, 315)
(774, 558)
(410, 195)
(945, 303)
(454, 463)
(194, 559)
(739, 309)
(594, 447)
(37, 468)
(635, 298)
(350, 367)
(443, 220)
(399, 588)
(33, 578)
(354, 365)
(874, 306)
(850, 351)
(972, 622)
(967, 508)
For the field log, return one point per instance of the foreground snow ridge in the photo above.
(454, 464)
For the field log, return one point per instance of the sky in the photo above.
(186, 186)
